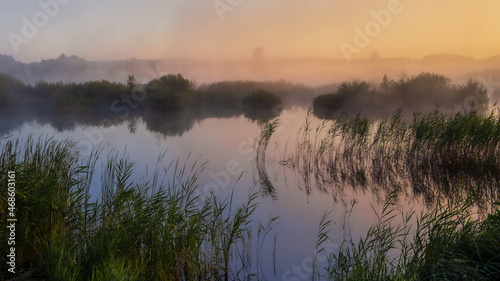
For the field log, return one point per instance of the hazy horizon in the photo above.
(232, 29)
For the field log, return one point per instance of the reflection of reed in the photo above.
(435, 154)
(267, 130)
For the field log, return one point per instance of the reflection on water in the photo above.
(302, 169)
(165, 124)
(432, 157)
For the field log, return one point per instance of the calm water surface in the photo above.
(227, 146)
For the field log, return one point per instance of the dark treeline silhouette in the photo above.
(421, 92)
(259, 101)
(290, 93)
(169, 105)
(167, 94)
(309, 71)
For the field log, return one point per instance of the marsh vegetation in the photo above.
(430, 156)
(420, 92)
(156, 230)
(163, 228)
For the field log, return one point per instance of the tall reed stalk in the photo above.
(156, 230)
(446, 243)
(435, 155)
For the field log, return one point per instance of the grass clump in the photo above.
(134, 231)
(447, 243)
(434, 155)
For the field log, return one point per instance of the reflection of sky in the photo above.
(223, 141)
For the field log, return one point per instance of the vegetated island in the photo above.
(260, 101)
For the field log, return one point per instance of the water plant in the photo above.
(428, 155)
(156, 230)
(449, 242)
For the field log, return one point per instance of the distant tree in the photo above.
(323, 104)
(131, 83)
(172, 83)
(386, 85)
(10, 91)
(170, 92)
(258, 53)
(425, 89)
(355, 88)
(9, 84)
(474, 94)
(354, 95)
(375, 55)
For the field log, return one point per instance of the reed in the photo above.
(428, 155)
(446, 243)
(157, 230)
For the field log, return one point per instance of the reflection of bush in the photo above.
(261, 115)
(261, 105)
(348, 96)
(212, 99)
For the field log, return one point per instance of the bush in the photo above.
(349, 96)
(261, 99)
(8, 85)
(420, 92)
(171, 84)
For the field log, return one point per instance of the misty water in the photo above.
(224, 148)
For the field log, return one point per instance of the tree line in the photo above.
(420, 92)
(168, 93)
(173, 93)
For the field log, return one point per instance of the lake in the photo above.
(224, 149)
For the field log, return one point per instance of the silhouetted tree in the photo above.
(131, 83)
(258, 53)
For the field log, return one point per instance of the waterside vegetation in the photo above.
(430, 156)
(154, 230)
(419, 92)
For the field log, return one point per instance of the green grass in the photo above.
(134, 231)
(451, 160)
(446, 243)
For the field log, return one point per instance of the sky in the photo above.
(221, 29)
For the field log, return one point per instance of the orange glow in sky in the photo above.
(231, 29)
